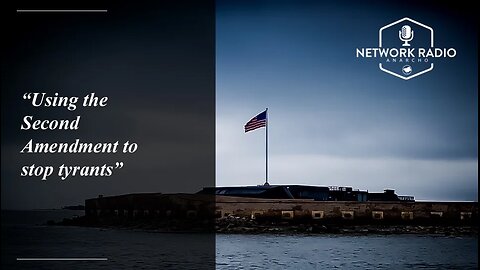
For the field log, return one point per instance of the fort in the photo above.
(401, 212)
(275, 205)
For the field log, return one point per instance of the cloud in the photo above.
(368, 155)
(425, 179)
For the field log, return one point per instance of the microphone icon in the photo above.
(406, 35)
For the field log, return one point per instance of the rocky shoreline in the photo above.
(238, 225)
(243, 225)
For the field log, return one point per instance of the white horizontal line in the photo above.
(62, 259)
(60, 10)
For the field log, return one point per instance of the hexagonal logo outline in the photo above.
(380, 46)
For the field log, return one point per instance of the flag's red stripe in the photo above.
(255, 126)
(250, 128)
(257, 123)
(254, 122)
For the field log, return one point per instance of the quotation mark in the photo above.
(118, 165)
(27, 96)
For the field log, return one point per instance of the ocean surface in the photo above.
(24, 235)
(346, 252)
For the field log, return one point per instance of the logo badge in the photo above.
(406, 49)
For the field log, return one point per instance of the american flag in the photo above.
(257, 122)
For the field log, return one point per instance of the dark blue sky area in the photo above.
(339, 120)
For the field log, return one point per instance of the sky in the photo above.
(338, 120)
(182, 86)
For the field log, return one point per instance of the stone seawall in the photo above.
(208, 213)
(165, 206)
(251, 208)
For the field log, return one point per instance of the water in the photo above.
(346, 252)
(23, 235)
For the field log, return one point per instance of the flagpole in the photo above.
(266, 148)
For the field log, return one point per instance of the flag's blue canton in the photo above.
(257, 122)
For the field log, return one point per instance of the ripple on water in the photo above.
(359, 252)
